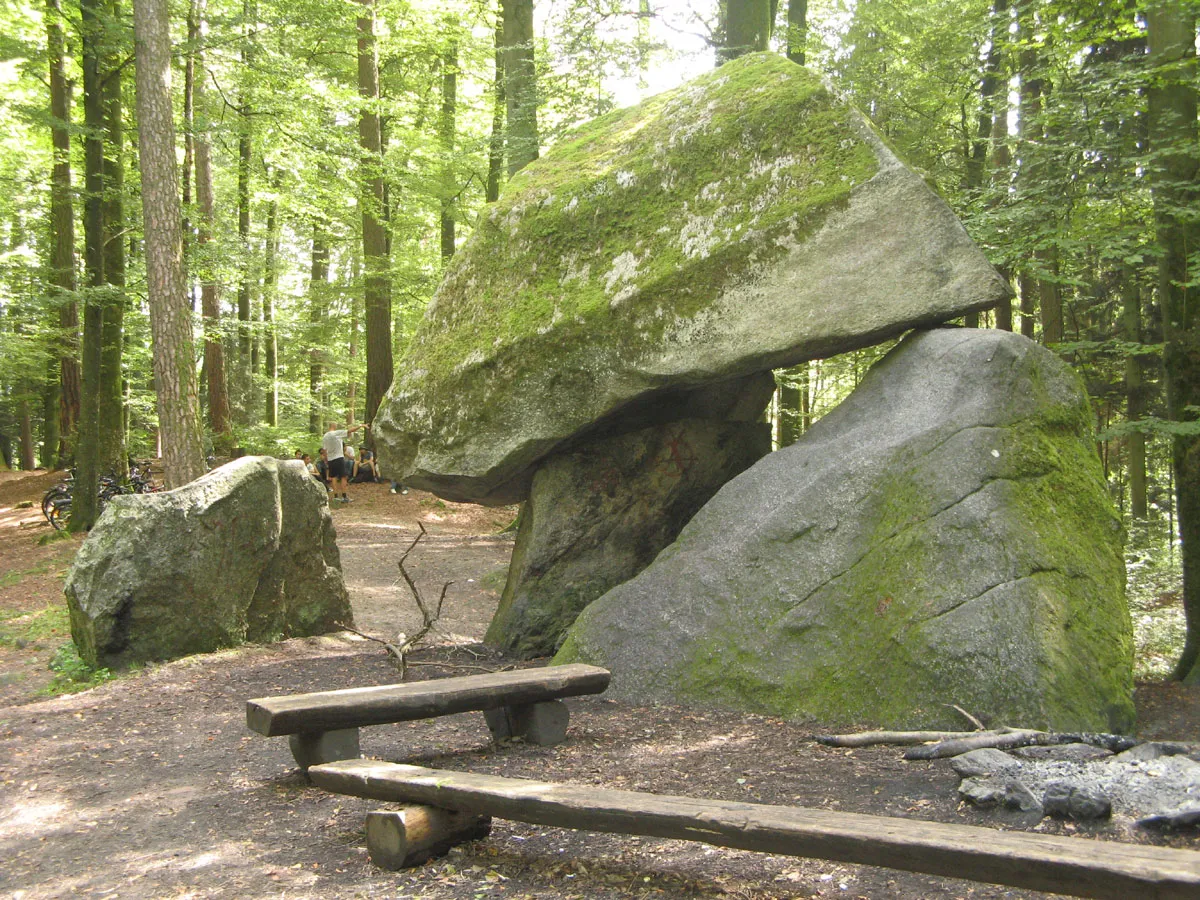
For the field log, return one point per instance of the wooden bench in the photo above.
(525, 703)
(456, 806)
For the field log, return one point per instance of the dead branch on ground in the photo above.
(943, 744)
(398, 651)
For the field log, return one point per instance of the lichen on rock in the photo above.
(747, 220)
(944, 537)
(244, 553)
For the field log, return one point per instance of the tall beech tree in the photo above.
(447, 133)
(377, 294)
(1171, 104)
(170, 312)
(216, 388)
(520, 84)
(85, 508)
(745, 27)
(113, 454)
(60, 423)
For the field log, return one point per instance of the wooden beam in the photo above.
(356, 707)
(1083, 868)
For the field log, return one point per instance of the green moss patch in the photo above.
(645, 215)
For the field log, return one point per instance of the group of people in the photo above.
(338, 464)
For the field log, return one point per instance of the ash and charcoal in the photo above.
(1157, 784)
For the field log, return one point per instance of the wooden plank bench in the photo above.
(524, 703)
(1083, 868)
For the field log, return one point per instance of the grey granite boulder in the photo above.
(748, 220)
(943, 537)
(245, 553)
(599, 515)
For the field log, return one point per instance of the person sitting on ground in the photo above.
(323, 469)
(365, 470)
(311, 468)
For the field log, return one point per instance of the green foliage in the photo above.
(72, 674)
(1154, 590)
(280, 442)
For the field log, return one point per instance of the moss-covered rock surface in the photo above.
(599, 515)
(942, 537)
(245, 553)
(745, 221)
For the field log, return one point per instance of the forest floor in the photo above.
(151, 786)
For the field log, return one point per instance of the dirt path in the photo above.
(153, 787)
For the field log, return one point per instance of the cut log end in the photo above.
(316, 747)
(407, 837)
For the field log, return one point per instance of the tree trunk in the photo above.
(170, 316)
(446, 134)
(1030, 176)
(318, 286)
(1001, 158)
(189, 131)
(1050, 297)
(51, 399)
(496, 142)
(62, 261)
(84, 507)
(789, 414)
(270, 280)
(378, 299)
(1135, 397)
(797, 34)
(246, 363)
(114, 458)
(352, 355)
(216, 387)
(1171, 104)
(745, 28)
(520, 84)
(25, 426)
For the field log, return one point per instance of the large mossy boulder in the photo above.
(245, 553)
(748, 220)
(598, 515)
(944, 536)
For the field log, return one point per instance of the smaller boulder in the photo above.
(244, 553)
(981, 791)
(1018, 795)
(986, 761)
(1069, 800)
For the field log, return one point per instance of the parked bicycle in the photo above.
(56, 503)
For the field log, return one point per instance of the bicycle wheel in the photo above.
(53, 496)
(60, 513)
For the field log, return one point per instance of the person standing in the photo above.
(332, 444)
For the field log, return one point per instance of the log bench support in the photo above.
(311, 748)
(543, 724)
(1082, 868)
(398, 839)
(526, 704)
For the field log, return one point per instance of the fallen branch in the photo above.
(429, 618)
(458, 667)
(979, 726)
(898, 738)
(1019, 738)
(392, 650)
